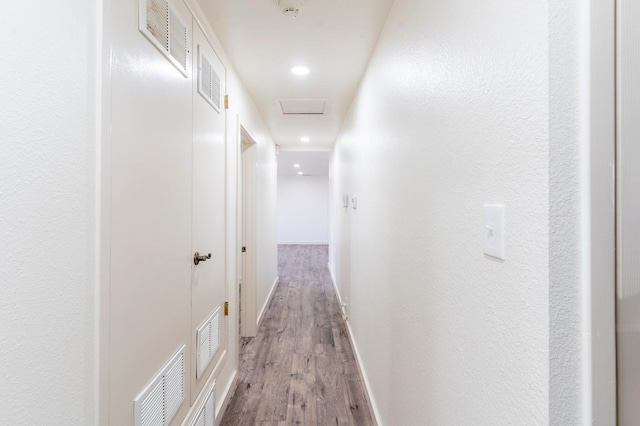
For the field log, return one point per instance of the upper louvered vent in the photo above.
(209, 81)
(207, 415)
(208, 341)
(178, 40)
(162, 25)
(156, 23)
(162, 399)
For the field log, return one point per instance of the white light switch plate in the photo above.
(494, 230)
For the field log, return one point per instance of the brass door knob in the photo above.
(197, 258)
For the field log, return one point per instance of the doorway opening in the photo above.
(247, 265)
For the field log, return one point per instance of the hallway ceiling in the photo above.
(310, 163)
(333, 38)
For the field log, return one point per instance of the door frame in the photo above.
(600, 249)
(582, 353)
(247, 233)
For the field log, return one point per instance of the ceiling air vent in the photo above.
(302, 106)
(163, 27)
(209, 83)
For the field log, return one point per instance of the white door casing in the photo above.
(248, 237)
(628, 212)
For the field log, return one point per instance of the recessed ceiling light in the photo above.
(300, 173)
(296, 165)
(300, 70)
(304, 139)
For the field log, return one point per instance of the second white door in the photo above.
(208, 292)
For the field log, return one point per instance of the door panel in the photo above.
(628, 292)
(150, 294)
(208, 228)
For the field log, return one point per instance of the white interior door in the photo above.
(208, 288)
(628, 291)
(151, 161)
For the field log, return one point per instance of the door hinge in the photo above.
(226, 309)
(226, 101)
(244, 249)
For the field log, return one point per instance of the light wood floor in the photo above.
(300, 368)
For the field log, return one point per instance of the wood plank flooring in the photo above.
(300, 368)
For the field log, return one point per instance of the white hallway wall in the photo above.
(48, 188)
(303, 209)
(452, 113)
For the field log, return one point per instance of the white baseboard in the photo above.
(373, 409)
(268, 301)
(228, 393)
(335, 286)
(303, 243)
(333, 280)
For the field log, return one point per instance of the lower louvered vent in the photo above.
(207, 415)
(161, 400)
(208, 341)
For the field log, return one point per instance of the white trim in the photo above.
(228, 393)
(103, 210)
(247, 228)
(263, 311)
(303, 243)
(333, 280)
(373, 408)
(599, 248)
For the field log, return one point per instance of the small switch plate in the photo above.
(494, 230)
(354, 202)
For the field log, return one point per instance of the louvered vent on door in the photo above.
(208, 341)
(157, 21)
(178, 40)
(164, 28)
(161, 400)
(207, 415)
(209, 83)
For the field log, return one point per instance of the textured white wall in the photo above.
(47, 212)
(303, 210)
(452, 113)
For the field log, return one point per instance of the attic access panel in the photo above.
(302, 106)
